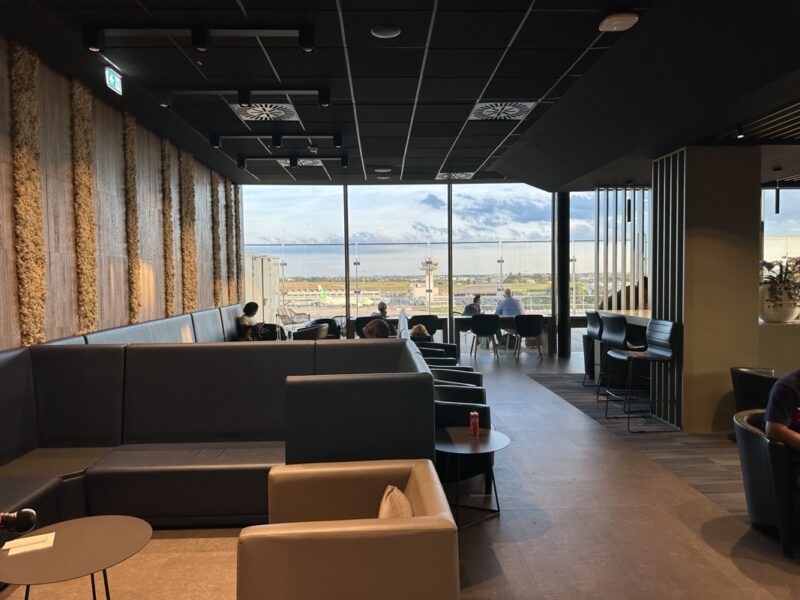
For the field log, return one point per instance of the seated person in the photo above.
(249, 312)
(419, 333)
(508, 307)
(381, 310)
(782, 417)
(377, 328)
(474, 308)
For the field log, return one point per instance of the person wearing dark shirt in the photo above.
(474, 308)
(783, 416)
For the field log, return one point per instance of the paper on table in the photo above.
(29, 544)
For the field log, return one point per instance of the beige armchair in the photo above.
(325, 541)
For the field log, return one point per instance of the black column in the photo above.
(562, 273)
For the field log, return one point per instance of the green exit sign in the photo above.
(114, 80)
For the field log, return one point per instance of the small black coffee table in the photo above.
(81, 547)
(458, 441)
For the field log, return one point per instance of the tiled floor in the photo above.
(585, 515)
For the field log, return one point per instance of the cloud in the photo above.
(433, 202)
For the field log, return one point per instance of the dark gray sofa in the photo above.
(166, 431)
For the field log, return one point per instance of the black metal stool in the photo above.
(613, 336)
(594, 332)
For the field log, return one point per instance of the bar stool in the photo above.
(614, 335)
(594, 331)
(659, 349)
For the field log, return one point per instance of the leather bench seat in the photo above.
(185, 485)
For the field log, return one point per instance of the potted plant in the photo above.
(780, 290)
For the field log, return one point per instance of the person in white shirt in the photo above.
(248, 318)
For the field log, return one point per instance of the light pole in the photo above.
(357, 291)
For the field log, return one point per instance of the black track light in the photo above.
(201, 39)
(215, 142)
(345, 161)
(739, 132)
(244, 97)
(324, 98)
(94, 40)
(277, 141)
(777, 197)
(337, 140)
(293, 162)
(241, 162)
(306, 41)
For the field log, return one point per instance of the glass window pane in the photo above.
(781, 231)
(502, 239)
(294, 252)
(398, 249)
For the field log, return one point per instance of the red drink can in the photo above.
(474, 424)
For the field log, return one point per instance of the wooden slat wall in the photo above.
(112, 260)
(58, 213)
(667, 242)
(151, 240)
(9, 318)
(205, 267)
(57, 204)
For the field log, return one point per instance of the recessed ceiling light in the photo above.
(201, 39)
(383, 177)
(385, 32)
(383, 170)
(739, 132)
(163, 105)
(94, 39)
(306, 41)
(617, 22)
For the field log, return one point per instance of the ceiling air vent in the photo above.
(500, 111)
(265, 112)
(301, 162)
(454, 176)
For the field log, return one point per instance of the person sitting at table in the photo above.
(377, 328)
(782, 417)
(508, 307)
(419, 333)
(474, 308)
(382, 309)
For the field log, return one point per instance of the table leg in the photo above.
(458, 483)
(494, 485)
(105, 584)
(27, 591)
(94, 591)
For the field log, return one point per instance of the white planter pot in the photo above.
(784, 310)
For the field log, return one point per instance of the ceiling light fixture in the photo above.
(739, 132)
(324, 98)
(313, 149)
(383, 170)
(777, 196)
(616, 22)
(94, 39)
(306, 41)
(293, 162)
(244, 98)
(383, 177)
(163, 104)
(201, 39)
(277, 141)
(241, 162)
(215, 141)
(344, 161)
(385, 32)
(337, 140)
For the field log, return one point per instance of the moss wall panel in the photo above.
(205, 257)
(9, 321)
(57, 204)
(151, 233)
(112, 263)
(176, 226)
(223, 245)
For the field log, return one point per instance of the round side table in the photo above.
(458, 441)
(81, 547)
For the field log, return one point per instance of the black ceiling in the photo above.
(411, 94)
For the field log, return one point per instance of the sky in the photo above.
(483, 215)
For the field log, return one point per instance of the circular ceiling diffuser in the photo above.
(268, 112)
(500, 111)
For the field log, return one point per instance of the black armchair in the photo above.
(472, 394)
(450, 350)
(457, 376)
(441, 362)
(768, 478)
(315, 332)
(751, 387)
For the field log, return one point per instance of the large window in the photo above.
(398, 248)
(502, 239)
(781, 230)
(582, 252)
(294, 252)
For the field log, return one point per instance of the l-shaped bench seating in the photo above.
(185, 434)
